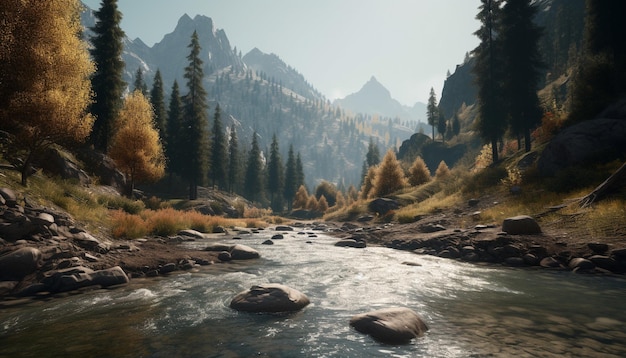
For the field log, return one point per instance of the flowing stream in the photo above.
(472, 311)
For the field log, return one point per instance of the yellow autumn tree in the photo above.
(419, 172)
(301, 198)
(45, 88)
(389, 176)
(442, 171)
(135, 145)
(322, 204)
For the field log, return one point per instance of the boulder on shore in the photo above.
(19, 263)
(521, 225)
(271, 297)
(395, 325)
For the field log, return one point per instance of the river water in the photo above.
(472, 311)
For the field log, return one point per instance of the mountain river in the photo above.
(472, 311)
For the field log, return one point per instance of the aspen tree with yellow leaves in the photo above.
(419, 172)
(44, 79)
(135, 145)
(389, 176)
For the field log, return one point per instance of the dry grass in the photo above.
(168, 221)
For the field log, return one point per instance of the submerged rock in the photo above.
(395, 325)
(271, 297)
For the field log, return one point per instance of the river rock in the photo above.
(271, 297)
(549, 262)
(581, 264)
(192, 234)
(395, 325)
(224, 256)
(78, 277)
(521, 225)
(283, 228)
(351, 243)
(243, 252)
(278, 237)
(19, 263)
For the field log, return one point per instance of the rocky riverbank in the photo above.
(518, 241)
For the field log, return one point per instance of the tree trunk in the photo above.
(527, 138)
(494, 151)
(602, 190)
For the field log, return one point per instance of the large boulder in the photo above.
(236, 252)
(395, 325)
(19, 263)
(269, 297)
(382, 206)
(592, 140)
(521, 225)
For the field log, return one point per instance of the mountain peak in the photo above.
(374, 88)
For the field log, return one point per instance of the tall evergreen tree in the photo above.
(219, 154)
(234, 169)
(491, 122)
(107, 83)
(299, 171)
(290, 178)
(140, 83)
(522, 65)
(600, 76)
(253, 187)
(173, 144)
(373, 154)
(431, 111)
(194, 142)
(275, 178)
(157, 99)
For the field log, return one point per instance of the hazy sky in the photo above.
(408, 45)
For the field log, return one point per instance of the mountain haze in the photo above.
(259, 93)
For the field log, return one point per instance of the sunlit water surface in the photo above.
(472, 311)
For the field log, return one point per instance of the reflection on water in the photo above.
(471, 310)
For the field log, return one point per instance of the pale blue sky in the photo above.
(408, 45)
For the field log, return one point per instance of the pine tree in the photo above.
(290, 179)
(389, 176)
(44, 79)
(368, 183)
(373, 154)
(432, 112)
(107, 83)
(140, 84)
(157, 99)
(491, 121)
(135, 145)
(522, 65)
(173, 144)
(600, 75)
(275, 179)
(194, 142)
(253, 187)
(219, 154)
(234, 170)
(299, 171)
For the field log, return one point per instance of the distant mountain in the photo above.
(374, 98)
(272, 66)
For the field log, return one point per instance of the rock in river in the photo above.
(271, 297)
(395, 325)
